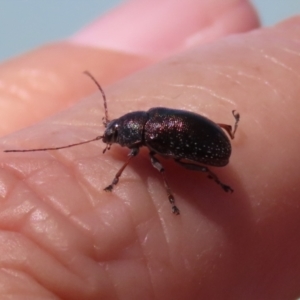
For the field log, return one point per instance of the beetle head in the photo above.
(111, 132)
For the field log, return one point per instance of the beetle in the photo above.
(190, 139)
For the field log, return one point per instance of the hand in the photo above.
(63, 235)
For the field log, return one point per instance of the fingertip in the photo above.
(159, 30)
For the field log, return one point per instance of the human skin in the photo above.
(63, 237)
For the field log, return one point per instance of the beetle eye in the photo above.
(115, 132)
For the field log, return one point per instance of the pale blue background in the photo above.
(39, 21)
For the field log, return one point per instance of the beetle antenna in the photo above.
(105, 119)
(57, 148)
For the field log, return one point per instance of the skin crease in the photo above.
(78, 242)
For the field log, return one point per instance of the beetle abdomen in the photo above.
(186, 135)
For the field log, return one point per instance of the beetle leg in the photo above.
(132, 153)
(228, 128)
(211, 175)
(158, 166)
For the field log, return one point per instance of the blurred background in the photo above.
(36, 22)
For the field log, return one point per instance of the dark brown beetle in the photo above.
(190, 139)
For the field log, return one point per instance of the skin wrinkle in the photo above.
(255, 78)
(202, 88)
(8, 190)
(29, 208)
(160, 217)
(261, 80)
(107, 272)
(290, 51)
(166, 234)
(63, 211)
(150, 276)
(22, 279)
(116, 254)
(84, 185)
(229, 77)
(273, 59)
(276, 61)
(161, 97)
(107, 268)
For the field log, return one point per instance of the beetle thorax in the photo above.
(127, 131)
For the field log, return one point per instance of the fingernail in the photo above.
(144, 27)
